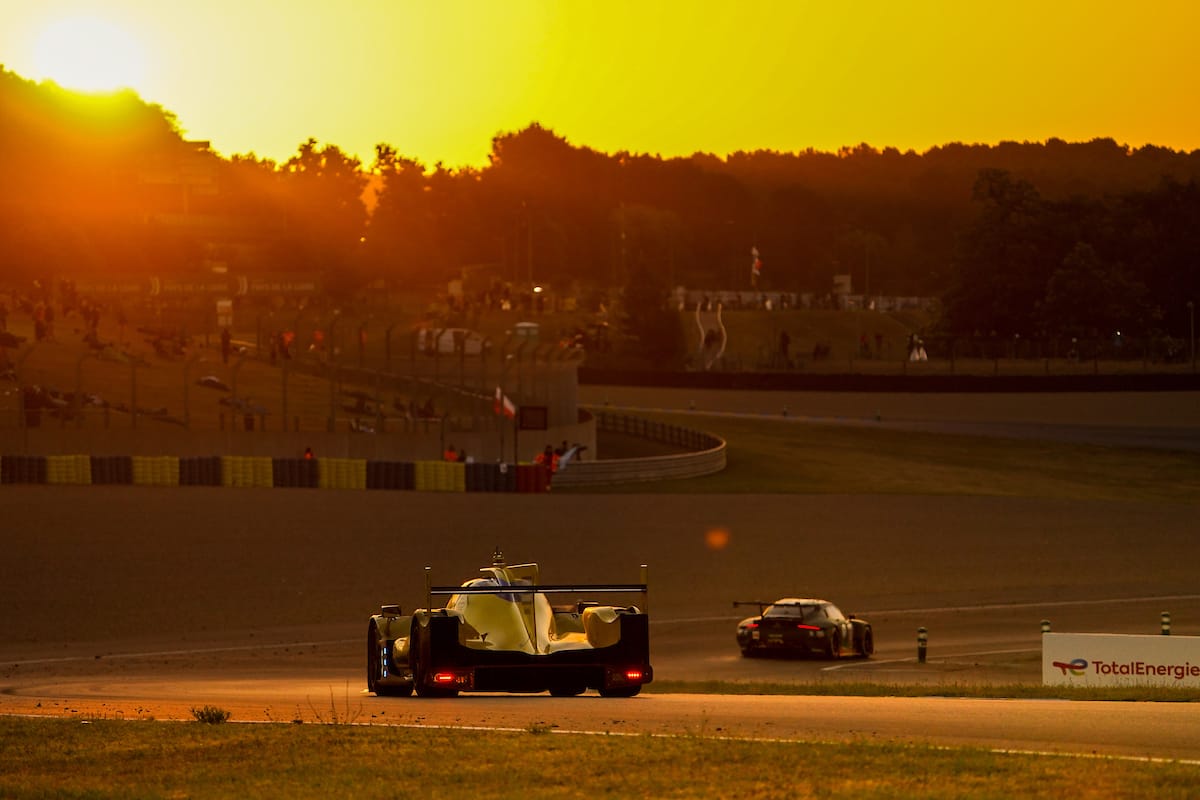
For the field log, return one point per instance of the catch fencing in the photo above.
(452, 396)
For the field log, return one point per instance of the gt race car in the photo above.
(800, 626)
(500, 633)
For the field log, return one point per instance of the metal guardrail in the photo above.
(707, 454)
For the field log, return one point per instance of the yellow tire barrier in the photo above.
(261, 472)
(342, 473)
(156, 470)
(247, 472)
(69, 469)
(439, 476)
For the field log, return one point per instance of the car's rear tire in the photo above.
(420, 671)
(833, 645)
(375, 668)
(374, 663)
(868, 642)
(417, 664)
(621, 691)
(748, 652)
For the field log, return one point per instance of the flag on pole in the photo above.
(755, 267)
(502, 405)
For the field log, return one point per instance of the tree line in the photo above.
(1029, 238)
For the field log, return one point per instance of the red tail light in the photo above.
(444, 677)
(632, 675)
(751, 624)
(808, 627)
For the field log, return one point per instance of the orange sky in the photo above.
(438, 79)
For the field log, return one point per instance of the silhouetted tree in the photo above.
(1006, 234)
(1004, 261)
(322, 195)
(1086, 297)
(657, 337)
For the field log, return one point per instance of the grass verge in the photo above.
(776, 456)
(999, 691)
(105, 758)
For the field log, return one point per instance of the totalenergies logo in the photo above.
(1076, 666)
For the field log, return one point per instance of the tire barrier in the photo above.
(299, 473)
(391, 475)
(23, 469)
(156, 470)
(490, 478)
(342, 473)
(112, 470)
(200, 471)
(532, 479)
(247, 471)
(267, 472)
(439, 476)
(69, 469)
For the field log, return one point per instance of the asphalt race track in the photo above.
(144, 602)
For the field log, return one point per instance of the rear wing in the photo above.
(761, 604)
(642, 588)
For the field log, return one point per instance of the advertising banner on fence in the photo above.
(1110, 659)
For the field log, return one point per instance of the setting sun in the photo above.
(439, 80)
(89, 54)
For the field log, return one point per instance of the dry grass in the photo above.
(99, 758)
(793, 457)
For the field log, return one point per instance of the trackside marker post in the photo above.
(922, 642)
(1166, 623)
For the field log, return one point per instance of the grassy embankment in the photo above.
(103, 758)
(790, 456)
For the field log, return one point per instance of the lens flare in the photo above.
(716, 538)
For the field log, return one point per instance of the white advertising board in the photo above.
(1110, 659)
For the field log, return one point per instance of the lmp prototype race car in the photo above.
(803, 627)
(500, 633)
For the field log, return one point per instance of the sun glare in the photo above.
(90, 55)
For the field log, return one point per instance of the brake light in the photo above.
(444, 677)
(633, 675)
(808, 627)
(751, 624)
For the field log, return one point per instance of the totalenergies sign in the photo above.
(1110, 659)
